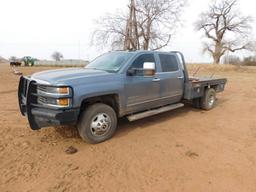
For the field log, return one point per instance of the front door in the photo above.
(141, 92)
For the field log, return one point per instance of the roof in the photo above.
(141, 51)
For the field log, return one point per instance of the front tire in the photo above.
(97, 123)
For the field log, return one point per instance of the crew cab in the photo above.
(132, 84)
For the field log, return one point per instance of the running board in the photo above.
(154, 112)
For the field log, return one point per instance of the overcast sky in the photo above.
(39, 27)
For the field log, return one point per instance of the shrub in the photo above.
(232, 59)
(250, 61)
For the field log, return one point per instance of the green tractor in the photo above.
(29, 61)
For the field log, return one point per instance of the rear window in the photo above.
(169, 63)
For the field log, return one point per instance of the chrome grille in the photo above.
(42, 100)
(42, 88)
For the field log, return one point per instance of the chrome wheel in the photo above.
(100, 124)
(211, 100)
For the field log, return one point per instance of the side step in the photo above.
(154, 112)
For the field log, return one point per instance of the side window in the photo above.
(139, 61)
(169, 63)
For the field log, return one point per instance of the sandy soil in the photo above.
(183, 150)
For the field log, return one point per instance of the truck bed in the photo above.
(195, 87)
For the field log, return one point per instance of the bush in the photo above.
(235, 60)
(250, 61)
(232, 59)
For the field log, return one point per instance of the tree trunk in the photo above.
(217, 53)
(216, 59)
(147, 34)
(146, 44)
(131, 41)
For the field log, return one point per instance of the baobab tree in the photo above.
(224, 28)
(147, 24)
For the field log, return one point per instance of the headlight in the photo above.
(63, 90)
(60, 97)
(53, 90)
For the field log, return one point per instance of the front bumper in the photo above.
(38, 115)
(48, 117)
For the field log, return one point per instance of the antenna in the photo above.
(197, 70)
(212, 75)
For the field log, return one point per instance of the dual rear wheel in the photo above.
(207, 102)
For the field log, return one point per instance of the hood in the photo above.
(65, 75)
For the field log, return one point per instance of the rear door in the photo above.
(171, 78)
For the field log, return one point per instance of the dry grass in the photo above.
(221, 68)
(183, 150)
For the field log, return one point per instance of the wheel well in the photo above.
(215, 87)
(111, 100)
(211, 87)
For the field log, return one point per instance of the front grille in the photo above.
(42, 100)
(42, 88)
(47, 101)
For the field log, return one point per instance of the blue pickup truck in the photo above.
(134, 84)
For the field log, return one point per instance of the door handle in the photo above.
(180, 77)
(156, 80)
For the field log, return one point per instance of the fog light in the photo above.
(63, 102)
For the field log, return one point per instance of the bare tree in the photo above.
(225, 28)
(57, 56)
(13, 58)
(147, 24)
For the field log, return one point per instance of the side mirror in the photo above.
(149, 69)
(131, 72)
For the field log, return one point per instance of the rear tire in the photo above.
(97, 123)
(208, 101)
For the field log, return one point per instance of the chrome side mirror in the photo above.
(149, 69)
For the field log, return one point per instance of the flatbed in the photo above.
(195, 87)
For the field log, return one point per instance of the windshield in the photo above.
(111, 62)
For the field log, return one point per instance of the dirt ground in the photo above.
(183, 150)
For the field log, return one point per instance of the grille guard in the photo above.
(27, 98)
(26, 87)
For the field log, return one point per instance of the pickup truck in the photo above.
(132, 84)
